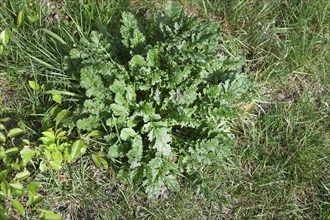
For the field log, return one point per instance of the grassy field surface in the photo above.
(279, 167)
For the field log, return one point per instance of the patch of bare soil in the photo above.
(55, 13)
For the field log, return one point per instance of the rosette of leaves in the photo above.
(164, 95)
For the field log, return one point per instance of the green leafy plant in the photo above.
(4, 41)
(14, 176)
(164, 96)
(19, 159)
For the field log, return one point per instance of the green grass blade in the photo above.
(55, 36)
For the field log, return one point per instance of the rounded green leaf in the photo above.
(1, 50)
(62, 116)
(19, 207)
(104, 163)
(26, 155)
(60, 134)
(78, 147)
(4, 36)
(127, 133)
(96, 159)
(34, 200)
(2, 127)
(34, 85)
(22, 175)
(5, 187)
(3, 175)
(57, 98)
(33, 19)
(49, 135)
(57, 156)
(12, 151)
(2, 153)
(15, 166)
(47, 154)
(32, 188)
(54, 111)
(2, 138)
(16, 186)
(20, 19)
(43, 166)
(95, 134)
(45, 140)
(16, 189)
(50, 215)
(26, 141)
(15, 132)
(115, 151)
(55, 165)
(3, 213)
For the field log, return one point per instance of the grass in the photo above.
(279, 167)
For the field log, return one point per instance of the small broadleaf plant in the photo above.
(20, 158)
(164, 95)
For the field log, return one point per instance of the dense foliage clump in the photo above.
(164, 96)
